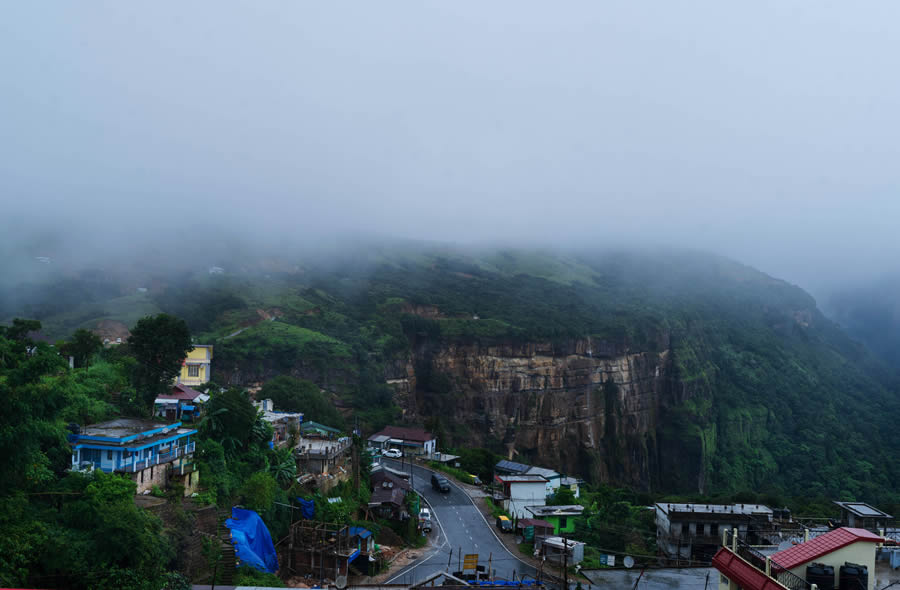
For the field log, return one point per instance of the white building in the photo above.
(520, 491)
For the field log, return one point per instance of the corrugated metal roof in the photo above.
(822, 545)
(512, 466)
(548, 473)
(739, 571)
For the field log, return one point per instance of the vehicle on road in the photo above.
(440, 483)
(504, 524)
(476, 481)
(392, 453)
(425, 520)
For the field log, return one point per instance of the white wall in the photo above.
(862, 553)
(526, 494)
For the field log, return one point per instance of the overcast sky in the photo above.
(766, 131)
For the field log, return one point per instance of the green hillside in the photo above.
(777, 397)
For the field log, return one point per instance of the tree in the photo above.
(160, 344)
(83, 345)
(290, 394)
(20, 329)
(232, 420)
(283, 467)
(259, 491)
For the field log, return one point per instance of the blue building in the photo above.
(151, 452)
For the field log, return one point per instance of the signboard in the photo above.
(470, 561)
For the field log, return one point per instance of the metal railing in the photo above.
(166, 457)
(769, 567)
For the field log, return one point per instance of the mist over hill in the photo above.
(665, 370)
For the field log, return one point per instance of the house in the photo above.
(555, 480)
(151, 453)
(195, 368)
(182, 403)
(561, 517)
(321, 455)
(740, 567)
(519, 491)
(283, 424)
(694, 531)
(389, 495)
(412, 441)
(861, 515)
(560, 551)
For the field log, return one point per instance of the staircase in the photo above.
(228, 560)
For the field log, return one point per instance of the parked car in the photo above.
(504, 524)
(476, 481)
(392, 453)
(440, 483)
(425, 520)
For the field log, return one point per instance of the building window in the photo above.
(563, 521)
(193, 370)
(109, 455)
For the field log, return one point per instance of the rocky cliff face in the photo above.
(559, 406)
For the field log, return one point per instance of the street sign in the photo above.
(470, 561)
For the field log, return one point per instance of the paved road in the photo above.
(654, 579)
(461, 526)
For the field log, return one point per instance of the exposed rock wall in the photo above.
(556, 405)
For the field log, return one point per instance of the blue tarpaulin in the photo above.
(307, 508)
(252, 541)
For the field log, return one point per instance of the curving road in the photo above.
(459, 525)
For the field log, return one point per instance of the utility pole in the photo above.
(449, 559)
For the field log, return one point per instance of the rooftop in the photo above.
(380, 477)
(281, 416)
(739, 571)
(512, 466)
(559, 542)
(131, 433)
(568, 510)
(822, 545)
(524, 522)
(307, 426)
(521, 478)
(743, 509)
(548, 473)
(863, 510)
(126, 427)
(405, 434)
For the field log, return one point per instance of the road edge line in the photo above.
(478, 510)
(436, 549)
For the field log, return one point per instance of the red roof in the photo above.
(419, 435)
(739, 571)
(822, 545)
(181, 392)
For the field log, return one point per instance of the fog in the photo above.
(764, 132)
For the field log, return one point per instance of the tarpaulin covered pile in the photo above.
(252, 541)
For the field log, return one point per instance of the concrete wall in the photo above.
(862, 553)
(147, 478)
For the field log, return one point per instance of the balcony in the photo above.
(183, 468)
(131, 466)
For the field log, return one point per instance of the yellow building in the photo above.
(195, 368)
